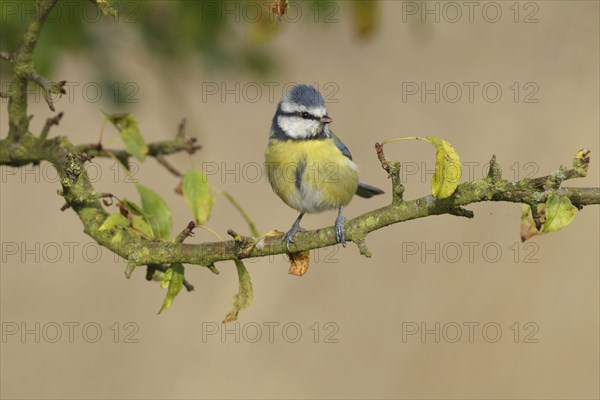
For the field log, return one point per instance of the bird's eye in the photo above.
(305, 115)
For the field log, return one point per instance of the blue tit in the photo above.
(308, 167)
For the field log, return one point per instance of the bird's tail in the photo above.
(367, 191)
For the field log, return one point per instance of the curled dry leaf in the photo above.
(299, 263)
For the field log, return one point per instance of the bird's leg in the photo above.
(289, 236)
(339, 227)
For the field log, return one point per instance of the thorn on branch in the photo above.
(362, 246)
(130, 267)
(236, 236)
(187, 232)
(49, 123)
(181, 130)
(494, 173)
(213, 269)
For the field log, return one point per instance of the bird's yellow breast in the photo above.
(310, 175)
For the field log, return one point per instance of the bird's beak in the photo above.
(326, 119)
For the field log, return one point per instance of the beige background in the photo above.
(371, 302)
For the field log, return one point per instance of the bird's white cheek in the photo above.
(295, 127)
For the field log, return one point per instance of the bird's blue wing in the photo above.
(363, 190)
(341, 146)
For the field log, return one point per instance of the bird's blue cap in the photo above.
(305, 95)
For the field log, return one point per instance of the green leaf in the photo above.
(119, 220)
(447, 168)
(244, 297)
(173, 282)
(142, 226)
(555, 214)
(196, 192)
(114, 220)
(129, 132)
(156, 212)
(559, 213)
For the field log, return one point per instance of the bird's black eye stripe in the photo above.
(302, 114)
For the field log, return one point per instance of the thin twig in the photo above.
(49, 123)
(158, 150)
(187, 232)
(163, 161)
(49, 88)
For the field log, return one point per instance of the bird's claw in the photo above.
(289, 236)
(339, 230)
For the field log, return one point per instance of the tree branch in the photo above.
(22, 61)
(80, 195)
(158, 150)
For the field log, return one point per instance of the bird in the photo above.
(307, 165)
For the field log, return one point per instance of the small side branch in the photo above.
(157, 150)
(23, 67)
(49, 88)
(49, 123)
(393, 170)
(187, 232)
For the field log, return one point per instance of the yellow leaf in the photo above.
(245, 294)
(299, 263)
(173, 282)
(112, 221)
(447, 165)
(559, 213)
(196, 192)
(447, 168)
